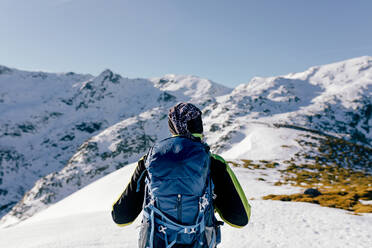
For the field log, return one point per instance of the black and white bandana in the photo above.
(180, 115)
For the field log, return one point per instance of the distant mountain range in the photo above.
(60, 132)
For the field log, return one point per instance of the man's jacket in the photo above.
(230, 201)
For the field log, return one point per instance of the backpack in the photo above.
(178, 205)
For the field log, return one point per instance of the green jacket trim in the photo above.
(218, 157)
(224, 220)
(123, 225)
(247, 206)
(197, 135)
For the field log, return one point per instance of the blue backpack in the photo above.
(178, 206)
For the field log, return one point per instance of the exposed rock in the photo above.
(312, 192)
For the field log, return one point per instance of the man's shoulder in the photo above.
(218, 158)
(170, 139)
(183, 141)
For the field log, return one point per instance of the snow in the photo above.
(332, 98)
(326, 98)
(264, 142)
(83, 220)
(192, 87)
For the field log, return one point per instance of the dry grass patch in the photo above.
(250, 164)
(333, 198)
(340, 187)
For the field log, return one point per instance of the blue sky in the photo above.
(228, 42)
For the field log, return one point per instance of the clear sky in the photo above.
(227, 41)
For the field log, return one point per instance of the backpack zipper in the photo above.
(179, 208)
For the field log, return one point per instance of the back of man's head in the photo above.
(185, 119)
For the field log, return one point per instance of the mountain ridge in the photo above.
(312, 99)
(57, 113)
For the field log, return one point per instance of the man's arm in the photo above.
(129, 205)
(231, 202)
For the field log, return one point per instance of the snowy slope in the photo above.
(83, 220)
(264, 142)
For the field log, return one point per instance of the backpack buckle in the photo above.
(192, 230)
(162, 229)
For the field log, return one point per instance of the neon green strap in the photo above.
(198, 135)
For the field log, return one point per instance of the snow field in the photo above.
(83, 220)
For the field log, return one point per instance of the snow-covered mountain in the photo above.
(278, 118)
(334, 99)
(46, 117)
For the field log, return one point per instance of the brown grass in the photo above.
(249, 164)
(341, 188)
(333, 198)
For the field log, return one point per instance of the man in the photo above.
(179, 184)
